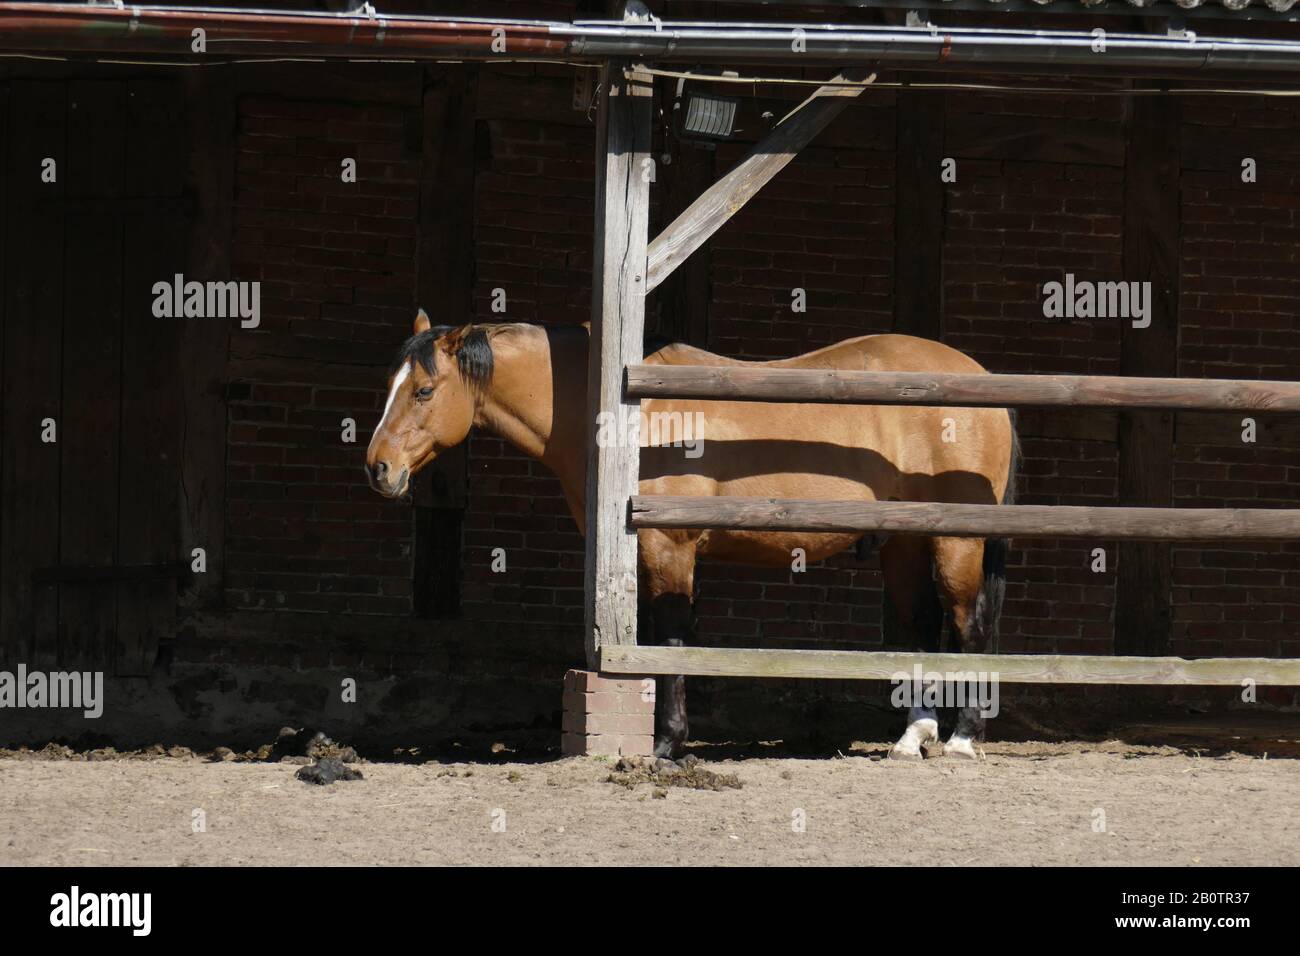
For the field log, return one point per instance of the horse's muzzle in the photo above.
(381, 479)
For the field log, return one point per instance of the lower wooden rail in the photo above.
(965, 521)
(885, 665)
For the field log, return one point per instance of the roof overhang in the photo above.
(168, 32)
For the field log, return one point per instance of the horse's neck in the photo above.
(537, 399)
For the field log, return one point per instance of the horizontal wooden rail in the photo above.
(833, 386)
(965, 521)
(886, 665)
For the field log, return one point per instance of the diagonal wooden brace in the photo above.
(768, 157)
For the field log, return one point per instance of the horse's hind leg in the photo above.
(668, 563)
(959, 574)
(909, 581)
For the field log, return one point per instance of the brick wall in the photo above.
(337, 263)
(1239, 317)
(532, 239)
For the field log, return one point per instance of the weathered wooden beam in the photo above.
(764, 160)
(93, 253)
(445, 289)
(617, 339)
(918, 213)
(205, 346)
(889, 665)
(919, 133)
(837, 387)
(152, 435)
(1144, 571)
(965, 521)
(685, 298)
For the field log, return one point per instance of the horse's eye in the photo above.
(424, 392)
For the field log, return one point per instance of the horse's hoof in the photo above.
(918, 734)
(667, 749)
(960, 747)
(899, 752)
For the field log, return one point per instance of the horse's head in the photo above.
(432, 392)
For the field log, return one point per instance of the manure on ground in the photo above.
(629, 772)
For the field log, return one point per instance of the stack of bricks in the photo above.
(608, 715)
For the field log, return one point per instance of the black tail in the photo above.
(988, 608)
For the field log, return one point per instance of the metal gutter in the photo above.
(1259, 11)
(79, 28)
(265, 33)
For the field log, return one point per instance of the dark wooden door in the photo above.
(89, 524)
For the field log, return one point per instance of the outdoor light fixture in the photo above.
(707, 118)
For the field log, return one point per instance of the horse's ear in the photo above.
(453, 340)
(422, 323)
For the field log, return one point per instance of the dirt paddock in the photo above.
(1027, 803)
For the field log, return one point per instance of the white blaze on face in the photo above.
(402, 375)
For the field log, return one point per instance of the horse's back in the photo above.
(887, 352)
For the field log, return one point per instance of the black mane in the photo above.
(474, 357)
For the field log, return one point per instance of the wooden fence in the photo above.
(627, 265)
(956, 520)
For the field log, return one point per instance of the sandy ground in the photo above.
(1026, 804)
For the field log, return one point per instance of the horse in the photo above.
(528, 385)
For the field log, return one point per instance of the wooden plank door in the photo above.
(90, 524)
(92, 360)
(33, 332)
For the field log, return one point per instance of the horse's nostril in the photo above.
(378, 470)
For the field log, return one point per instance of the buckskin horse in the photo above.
(528, 385)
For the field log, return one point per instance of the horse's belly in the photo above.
(773, 548)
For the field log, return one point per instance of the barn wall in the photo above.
(1241, 285)
(318, 574)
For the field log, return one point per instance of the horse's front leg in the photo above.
(674, 623)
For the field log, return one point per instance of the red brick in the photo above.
(610, 745)
(608, 703)
(576, 722)
(591, 682)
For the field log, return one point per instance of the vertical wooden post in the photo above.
(1143, 616)
(685, 296)
(445, 289)
(919, 126)
(617, 330)
(93, 254)
(152, 432)
(918, 214)
(205, 346)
